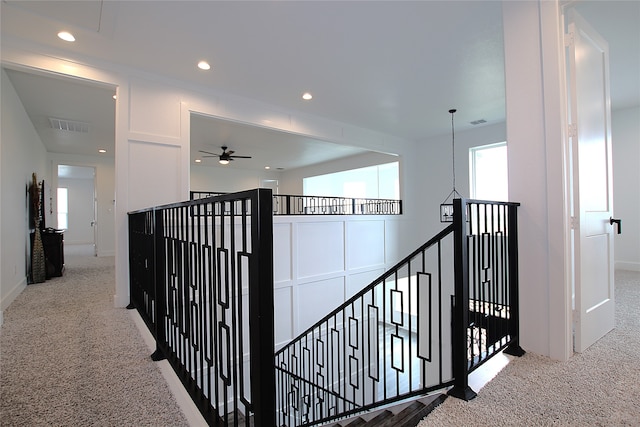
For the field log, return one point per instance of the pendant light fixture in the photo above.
(446, 207)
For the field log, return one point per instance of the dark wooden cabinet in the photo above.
(53, 243)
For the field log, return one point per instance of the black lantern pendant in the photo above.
(446, 207)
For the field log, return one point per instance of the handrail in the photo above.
(288, 204)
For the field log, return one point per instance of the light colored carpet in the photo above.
(600, 387)
(69, 358)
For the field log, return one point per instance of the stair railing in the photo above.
(380, 346)
(422, 326)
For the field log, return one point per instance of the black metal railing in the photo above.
(377, 347)
(284, 204)
(202, 279)
(422, 326)
(201, 276)
(485, 304)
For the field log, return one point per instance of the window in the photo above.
(63, 208)
(372, 182)
(488, 175)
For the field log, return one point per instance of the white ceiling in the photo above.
(392, 66)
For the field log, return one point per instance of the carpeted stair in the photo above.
(406, 414)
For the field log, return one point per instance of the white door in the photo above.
(590, 120)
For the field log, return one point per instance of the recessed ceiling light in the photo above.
(102, 150)
(204, 65)
(198, 160)
(307, 96)
(66, 36)
(267, 167)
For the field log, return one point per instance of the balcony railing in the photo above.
(284, 204)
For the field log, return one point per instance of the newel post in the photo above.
(261, 311)
(460, 318)
(514, 348)
(159, 276)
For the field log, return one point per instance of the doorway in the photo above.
(76, 208)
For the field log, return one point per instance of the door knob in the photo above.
(616, 221)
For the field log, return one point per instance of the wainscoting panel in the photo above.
(283, 306)
(315, 300)
(281, 252)
(365, 240)
(319, 262)
(320, 248)
(153, 167)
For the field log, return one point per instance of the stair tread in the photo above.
(357, 422)
(382, 418)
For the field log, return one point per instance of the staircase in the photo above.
(407, 414)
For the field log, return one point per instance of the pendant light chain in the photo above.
(453, 150)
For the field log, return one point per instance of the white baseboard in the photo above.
(625, 265)
(189, 409)
(11, 295)
(106, 253)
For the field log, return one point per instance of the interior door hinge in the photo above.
(569, 39)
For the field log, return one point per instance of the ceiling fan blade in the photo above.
(210, 156)
(230, 152)
(241, 157)
(202, 151)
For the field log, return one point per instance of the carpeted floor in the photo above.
(600, 387)
(69, 358)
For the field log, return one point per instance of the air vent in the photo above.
(69, 125)
(478, 122)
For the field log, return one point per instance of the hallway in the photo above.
(69, 358)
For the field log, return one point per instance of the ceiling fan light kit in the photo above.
(225, 157)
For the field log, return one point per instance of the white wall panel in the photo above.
(365, 241)
(356, 282)
(281, 252)
(316, 299)
(283, 313)
(320, 248)
(154, 110)
(153, 168)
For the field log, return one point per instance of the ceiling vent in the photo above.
(478, 122)
(69, 125)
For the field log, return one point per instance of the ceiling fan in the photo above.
(226, 156)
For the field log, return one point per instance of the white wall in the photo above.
(625, 135)
(22, 154)
(436, 175)
(535, 111)
(227, 180)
